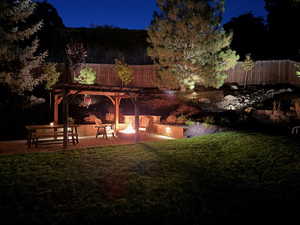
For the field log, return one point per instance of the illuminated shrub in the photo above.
(87, 76)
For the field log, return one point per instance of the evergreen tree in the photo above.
(283, 22)
(188, 44)
(243, 27)
(18, 48)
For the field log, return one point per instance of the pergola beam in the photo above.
(63, 92)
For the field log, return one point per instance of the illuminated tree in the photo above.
(188, 44)
(124, 72)
(247, 66)
(51, 74)
(18, 48)
(87, 76)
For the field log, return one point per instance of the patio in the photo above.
(20, 146)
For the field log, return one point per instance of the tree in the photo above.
(87, 76)
(244, 41)
(188, 45)
(51, 74)
(283, 21)
(18, 48)
(247, 66)
(124, 72)
(53, 36)
(76, 54)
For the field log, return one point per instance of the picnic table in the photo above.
(50, 133)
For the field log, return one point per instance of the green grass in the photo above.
(240, 177)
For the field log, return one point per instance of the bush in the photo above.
(87, 76)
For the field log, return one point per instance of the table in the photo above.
(35, 133)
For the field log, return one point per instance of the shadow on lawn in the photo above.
(214, 194)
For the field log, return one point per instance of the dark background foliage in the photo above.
(276, 38)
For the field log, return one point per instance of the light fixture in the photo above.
(168, 130)
(87, 100)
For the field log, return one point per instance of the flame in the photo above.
(129, 130)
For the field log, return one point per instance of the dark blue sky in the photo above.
(132, 14)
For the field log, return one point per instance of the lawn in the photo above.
(230, 176)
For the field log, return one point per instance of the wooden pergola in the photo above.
(63, 92)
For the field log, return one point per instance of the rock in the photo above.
(35, 101)
(204, 100)
(230, 98)
(171, 119)
(231, 107)
(181, 120)
(234, 87)
(249, 109)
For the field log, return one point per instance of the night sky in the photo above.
(132, 14)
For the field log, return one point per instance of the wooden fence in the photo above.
(264, 72)
(143, 75)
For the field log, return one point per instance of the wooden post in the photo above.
(117, 112)
(136, 120)
(65, 117)
(56, 102)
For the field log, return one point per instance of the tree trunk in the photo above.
(246, 77)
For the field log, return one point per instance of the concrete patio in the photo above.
(20, 146)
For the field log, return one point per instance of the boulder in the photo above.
(204, 100)
(171, 119)
(230, 98)
(36, 101)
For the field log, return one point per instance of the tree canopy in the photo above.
(18, 47)
(283, 23)
(249, 35)
(188, 44)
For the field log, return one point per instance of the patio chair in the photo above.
(100, 128)
(110, 130)
(295, 130)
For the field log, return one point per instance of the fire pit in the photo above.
(127, 133)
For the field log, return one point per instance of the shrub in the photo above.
(124, 72)
(87, 76)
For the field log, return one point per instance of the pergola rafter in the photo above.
(62, 93)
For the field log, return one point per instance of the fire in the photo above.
(129, 130)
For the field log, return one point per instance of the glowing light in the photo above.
(129, 130)
(168, 130)
(51, 124)
(87, 100)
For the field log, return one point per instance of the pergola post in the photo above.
(65, 117)
(56, 103)
(117, 111)
(136, 119)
